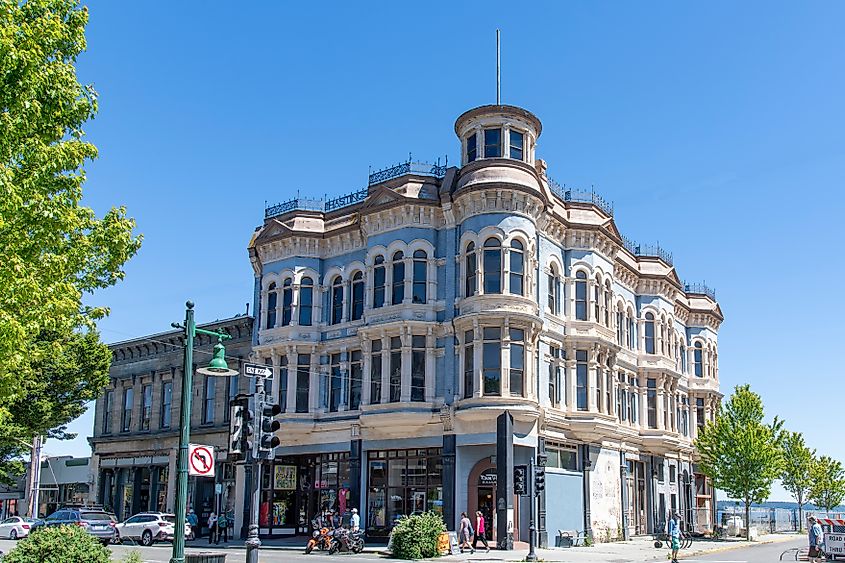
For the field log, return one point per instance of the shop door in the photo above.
(485, 506)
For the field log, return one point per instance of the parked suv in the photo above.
(96, 522)
(149, 527)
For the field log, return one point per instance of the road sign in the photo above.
(200, 460)
(834, 544)
(257, 370)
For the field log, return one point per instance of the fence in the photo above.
(766, 520)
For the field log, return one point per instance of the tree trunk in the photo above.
(747, 520)
(800, 514)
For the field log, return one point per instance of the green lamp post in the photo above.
(217, 367)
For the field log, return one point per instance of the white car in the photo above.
(15, 527)
(148, 527)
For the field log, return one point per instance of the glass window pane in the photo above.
(492, 143)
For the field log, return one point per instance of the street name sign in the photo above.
(257, 370)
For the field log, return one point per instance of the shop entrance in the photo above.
(485, 505)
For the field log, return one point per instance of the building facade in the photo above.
(136, 422)
(404, 318)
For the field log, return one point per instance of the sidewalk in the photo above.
(636, 550)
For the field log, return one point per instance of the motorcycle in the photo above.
(321, 539)
(347, 541)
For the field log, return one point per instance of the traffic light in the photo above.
(520, 484)
(539, 479)
(269, 425)
(236, 430)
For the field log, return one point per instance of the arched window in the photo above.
(287, 301)
(379, 277)
(554, 291)
(357, 310)
(607, 296)
(683, 358)
(698, 360)
(337, 300)
(517, 264)
(581, 296)
(620, 325)
(272, 299)
(649, 333)
(420, 276)
(632, 331)
(306, 301)
(471, 286)
(492, 266)
(398, 278)
(662, 336)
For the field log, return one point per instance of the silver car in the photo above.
(149, 527)
(16, 527)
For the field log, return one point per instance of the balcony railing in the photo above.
(700, 289)
(295, 204)
(655, 250)
(583, 196)
(409, 167)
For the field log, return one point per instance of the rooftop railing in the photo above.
(655, 250)
(583, 196)
(700, 289)
(409, 167)
(295, 204)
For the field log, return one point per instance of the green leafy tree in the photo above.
(828, 483)
(415, 536)
(739, 452)
(54, 250)
(795, 474)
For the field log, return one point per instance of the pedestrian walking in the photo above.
(466, 533)
(192, 522)
(816, 538)
(480, 530)
(212, 527)
(222, 527)
(674, 535)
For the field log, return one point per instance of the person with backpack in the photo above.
(222, 527)
(674, 536)
(466, 533)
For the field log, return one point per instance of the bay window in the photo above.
(471, 286)
(491, 361)
(398, 293)
(306, 301)
(336, 301)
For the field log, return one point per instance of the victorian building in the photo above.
(404, 318)
(136, 422)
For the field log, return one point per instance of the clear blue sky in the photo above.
(715, 127)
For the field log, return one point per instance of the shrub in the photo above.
(133, 557)
(60, 544)
(415, 537)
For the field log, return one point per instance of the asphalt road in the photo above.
(765, 553)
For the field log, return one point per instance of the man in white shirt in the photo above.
(355, 521)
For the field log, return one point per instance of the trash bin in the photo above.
(205, 557)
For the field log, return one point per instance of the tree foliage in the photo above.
(415, 536)
(739, 452)
(828, 483)
(54, 250)
(795, 474)
(59, 544)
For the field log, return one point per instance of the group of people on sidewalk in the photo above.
(218, 526)
(467, 533)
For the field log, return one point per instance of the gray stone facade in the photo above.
(134, 448)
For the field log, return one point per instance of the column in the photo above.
(505, 373)
(385, 369)
(569, 381)
(344, 313)
(643, 381)
(366, 369)
(369, 288)
(409, 281)
(661, 404)
(293, 360)
(506, 268)
(294, 305)
(275, 384)
(405, 390)
(477, 346)
(430, 344)
(314, 381)
(591, 379)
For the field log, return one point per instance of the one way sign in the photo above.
(257, 370)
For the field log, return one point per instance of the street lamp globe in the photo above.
(218, 366)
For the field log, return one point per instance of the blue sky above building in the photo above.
(715, 129)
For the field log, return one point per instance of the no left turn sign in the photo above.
(200, 460)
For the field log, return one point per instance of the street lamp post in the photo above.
(217, 367)
(253, 543)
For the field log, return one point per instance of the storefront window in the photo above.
(402, 482)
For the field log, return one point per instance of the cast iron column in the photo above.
(252, 542)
